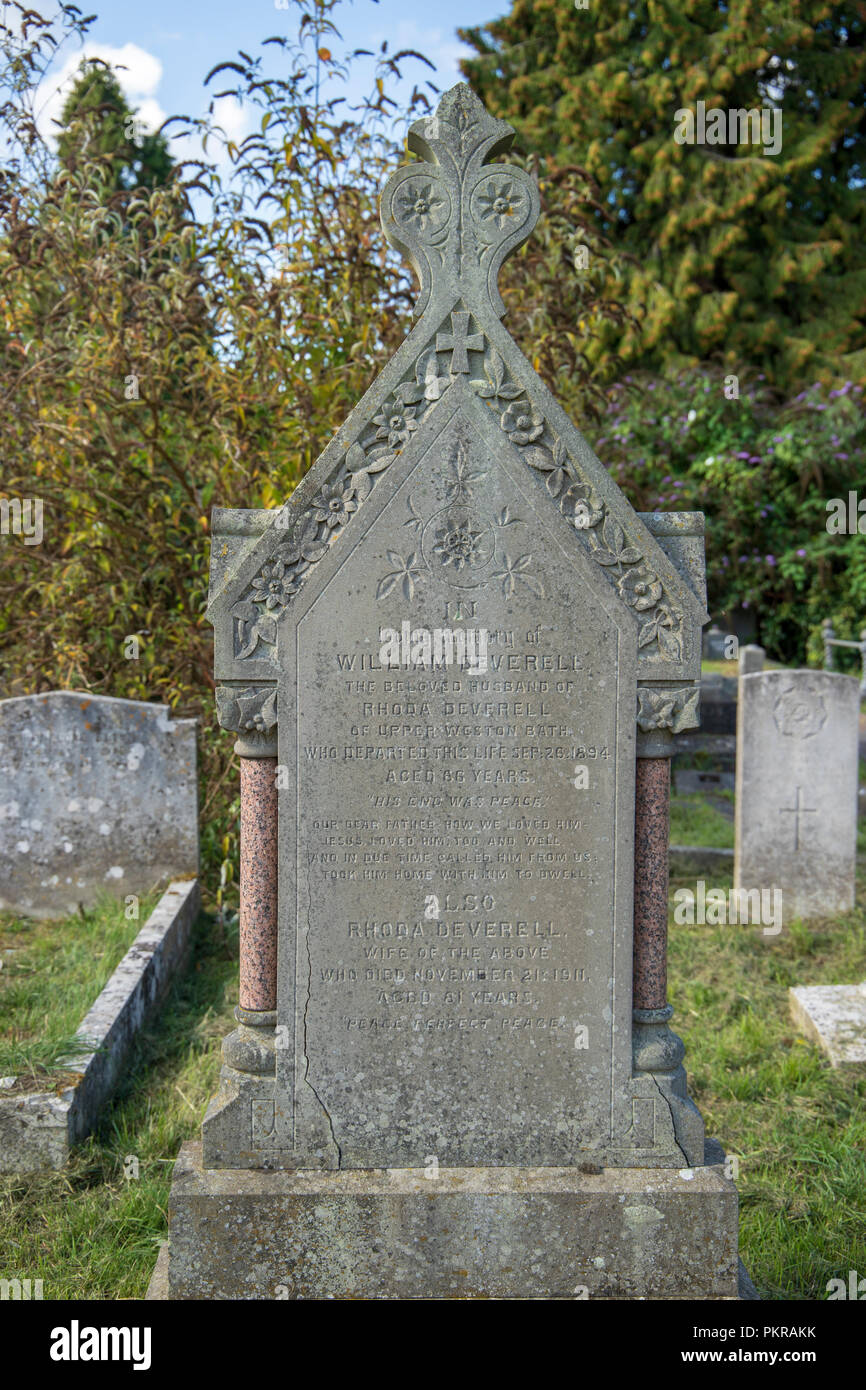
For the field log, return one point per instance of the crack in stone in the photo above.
(325, 1110)
(686, 1162)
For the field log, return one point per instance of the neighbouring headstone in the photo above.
(461, 659)
(796, 794)
(833, 1016)
(714, 644)
(719, 704)
(98, 794)
(751, 659)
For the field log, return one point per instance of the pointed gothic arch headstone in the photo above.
(450, 980)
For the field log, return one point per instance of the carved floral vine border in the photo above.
(280, 578)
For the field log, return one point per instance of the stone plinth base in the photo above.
(501, 1233)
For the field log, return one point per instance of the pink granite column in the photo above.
(652, 834)
(258, 885)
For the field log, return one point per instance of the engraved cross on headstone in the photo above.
(458, 340)
(797, 811)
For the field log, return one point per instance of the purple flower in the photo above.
(801, 554)
(743, 454)
(771, 559)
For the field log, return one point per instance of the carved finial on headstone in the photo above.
(455, 216)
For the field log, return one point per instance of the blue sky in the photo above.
(168, 46)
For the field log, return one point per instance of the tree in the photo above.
(97, 123)
(750, 257)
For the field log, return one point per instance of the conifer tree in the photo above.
(96, 115)
(752, 257)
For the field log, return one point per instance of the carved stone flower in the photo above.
(797, 716)
(418, 205)
(273, 586)
(334, 504)
(639, 588)
(458, 545)
(396, 422)
(500, 202)
(580, 507)
(521, 423)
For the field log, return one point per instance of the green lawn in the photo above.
(798, 1128)
(89, 1231)
(696, 821)
(52, 972)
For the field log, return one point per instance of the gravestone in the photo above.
(98, 795)
(714, 644)
(449, 646)
(834, 1017)
(751, 659)
(796, 794)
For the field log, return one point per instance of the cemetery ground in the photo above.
(797, 1127)
(51, 972)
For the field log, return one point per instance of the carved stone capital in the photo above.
(250, 710)
(668, 707)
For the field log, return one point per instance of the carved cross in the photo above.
(797, 811)
(458, 340)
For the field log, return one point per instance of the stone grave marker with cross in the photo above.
(456, 662)
(796, 789)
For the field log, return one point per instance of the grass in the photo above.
(695, 821)
(52, 973)
(797, 1127)
(92, 1230)
(731, 667)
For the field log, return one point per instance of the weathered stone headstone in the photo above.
(98, 795)
(751, 659)
(796, 794)
(714, 644)
(446, 652)
(833, 1016)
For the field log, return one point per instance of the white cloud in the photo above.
(232, 116)
(138, 72)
